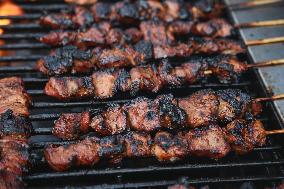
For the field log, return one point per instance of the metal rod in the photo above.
(280, 131)
(151, 169)
(23, 46)
(22, 36)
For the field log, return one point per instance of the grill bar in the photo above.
(153, 169)
(22, 36)
(192, 181)
(19, 58)
(21, 17)
(23, 46)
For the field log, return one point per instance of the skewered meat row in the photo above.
(202, 108)
(70, 59)
(15, 129)
(103, 34)
(14, 159)
(150, 78)
(13, 96)
(211, 142)
(130, 13)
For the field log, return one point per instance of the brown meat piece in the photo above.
(227, 68)
(110, 121)
(145, 78)
(85, 152)
(179, 50)
(201, 108)
(208, 142)
(178, 28)
(213, 46)
(234, 104)
(70, 126)
(14, 126)
(13, 96)
(58, 38)
(142, 114)
(14, 155)
(9, 180)
(57, 21)
(170, 114)
(136, 144)
(243, 137)
(69, 87)
(104, 83)
(213, 28)
(168, 148)
(156, 32)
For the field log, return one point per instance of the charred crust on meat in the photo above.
(14, 125)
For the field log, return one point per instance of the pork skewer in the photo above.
(211, 142)
(15, 129)
(148, 78)
(126, 13)
(103, 34)
(200, 109)
(70, 59)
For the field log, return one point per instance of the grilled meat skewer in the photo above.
(149, 78)
(103, 34)
(131, 13)
(211, 142)
(15, 129)
(13, 96)
(202, 108)
(70, 59)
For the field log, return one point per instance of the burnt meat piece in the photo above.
(170, 114)
(156, 32)
(169, 148)
(207, 142)
(243, 136)
(136, 144)
(201, 108)
(217, 27)
(142, 114)
(69, 126)
(235, 104)
(85, 152)
(227, 68)
(56, 21)
(14, 126)
(68, 59)
(13, 96)
(145, 78)
(109, 121)
(14, 155)
(205, 9)
(69, 87)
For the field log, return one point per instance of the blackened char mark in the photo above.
(11, 125)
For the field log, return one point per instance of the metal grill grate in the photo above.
(263, 165)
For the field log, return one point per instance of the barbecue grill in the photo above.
(264, 166)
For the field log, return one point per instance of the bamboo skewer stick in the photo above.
(267, 63)
(272, 98)
(275, 62)
(253, 3)
(263, 23)
(280, 131)
(264, 41)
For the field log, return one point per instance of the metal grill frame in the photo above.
(34, 82)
